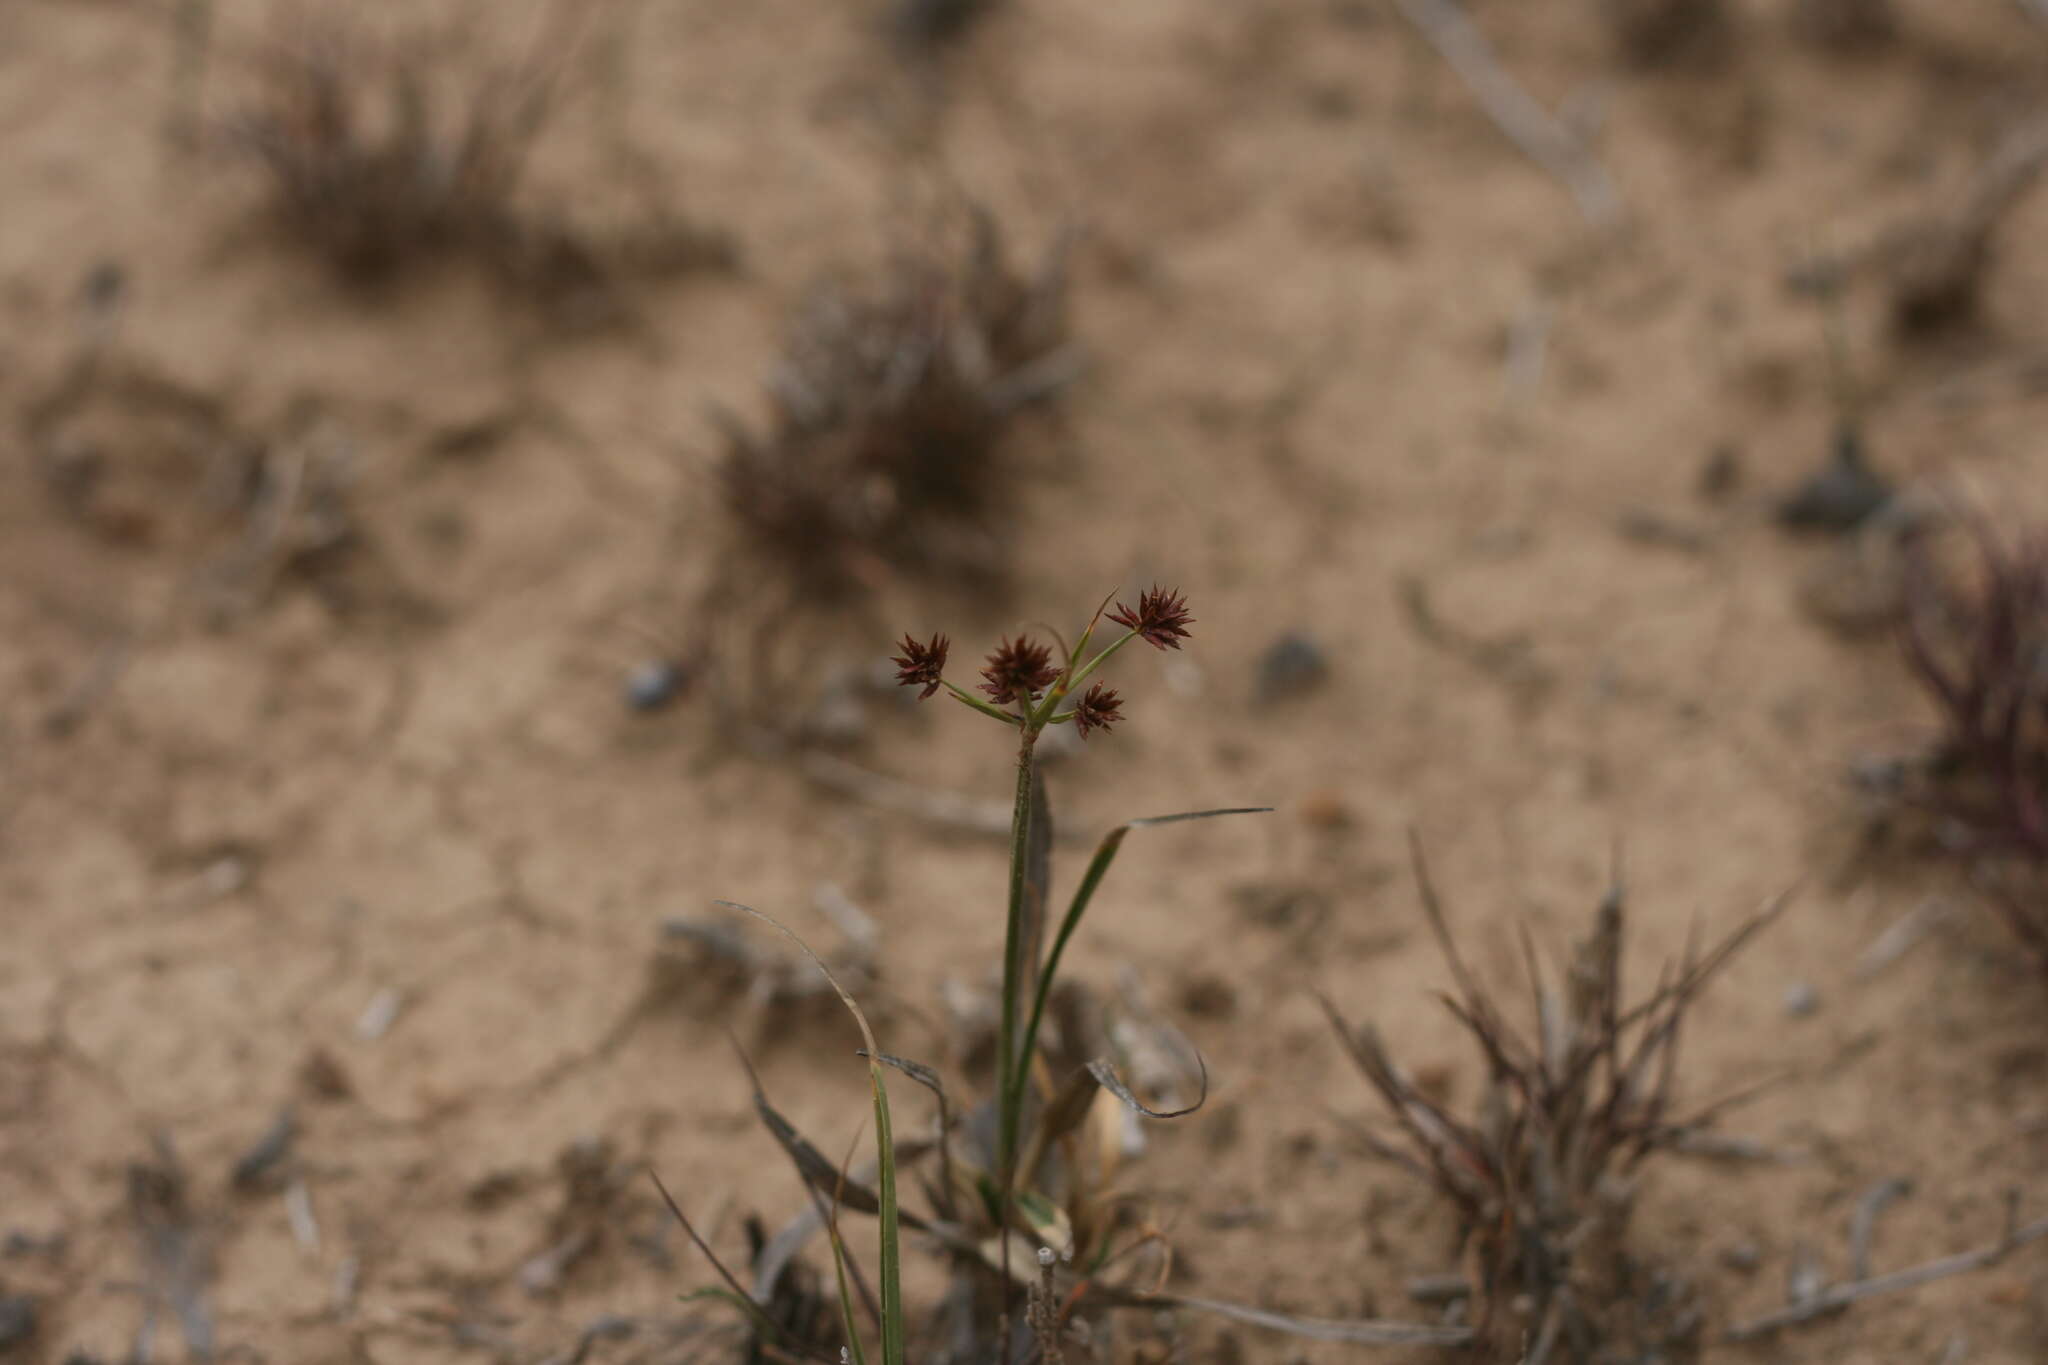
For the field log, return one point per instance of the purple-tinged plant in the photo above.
(1978, 645)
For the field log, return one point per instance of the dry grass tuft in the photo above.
(891, 408)
(383, 154)
(1543, 1177)
(1977, 641)
(373, 161)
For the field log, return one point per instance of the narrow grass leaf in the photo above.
(885, 1152)
(764, 1324)
(1098, 868)
(929, 1079)
(1037, 878)
(839, 1265)
(1105, 1076)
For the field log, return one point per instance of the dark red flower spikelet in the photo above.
(921, 665)
(1162, 618)
(1097, 710)
(1019, 669)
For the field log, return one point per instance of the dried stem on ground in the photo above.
(1542, 137)
(1839, 1297)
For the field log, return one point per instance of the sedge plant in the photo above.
(1029, 689)
(1026, 691)
(997, 1160)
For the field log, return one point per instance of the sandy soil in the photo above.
(1351, 352)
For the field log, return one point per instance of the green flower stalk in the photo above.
(1026, 690)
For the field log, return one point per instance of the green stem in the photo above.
(1067, 685)
(1098, 868)
(1009, 1090)
(1006, 717)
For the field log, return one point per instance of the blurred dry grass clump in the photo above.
(1657, 33)
(1846, 26)
(890, 409)
(374, 160)
(381, 152)
(933, 22)
(1976, 634)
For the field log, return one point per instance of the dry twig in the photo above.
(1839, 1297)
(1899, 938)
(1531, 127)
(888, 793)
(1863, 1222)
(175, 1256)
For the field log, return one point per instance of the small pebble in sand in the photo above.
(654, 684)
(1743, 1256)
(1842, 496)
(1208, 996)
(1292, 666)
(380, 1014)
(1801, 999)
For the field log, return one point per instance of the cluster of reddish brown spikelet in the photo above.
(1541, 1178)
(1161, 619)
(1019, 670)
(890, 412)
(1978, 645)
(922, 665)
(1097, 710)
(1021, 673)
